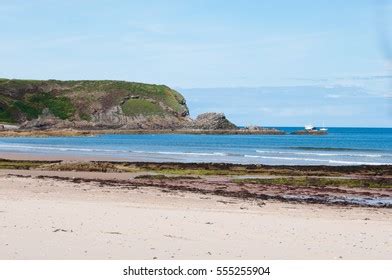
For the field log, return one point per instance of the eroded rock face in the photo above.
(115, 118)
(212, 121)
(44, 121)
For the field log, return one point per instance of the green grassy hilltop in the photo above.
(26, 100)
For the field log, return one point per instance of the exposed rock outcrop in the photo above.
(212, 121)
(263, 130)
(45, 121)
(309, 132)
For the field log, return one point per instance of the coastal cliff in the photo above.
(97, 105)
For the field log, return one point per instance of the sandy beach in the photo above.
(44, 218)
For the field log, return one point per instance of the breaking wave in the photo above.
(323, 154)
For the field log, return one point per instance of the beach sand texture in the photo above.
(52, 219)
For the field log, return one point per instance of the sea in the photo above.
(342, 146)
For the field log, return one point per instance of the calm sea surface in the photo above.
(342, 146)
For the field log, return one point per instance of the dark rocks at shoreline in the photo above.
(309, 132)
(262, 130)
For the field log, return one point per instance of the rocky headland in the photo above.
(112, 106)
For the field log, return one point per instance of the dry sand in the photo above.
(49, 219)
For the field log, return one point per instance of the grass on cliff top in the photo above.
(319, 182)
(32, 104)
(5, 112)
(160, 93)
(86, 92)
(60, 106)
(135, 107)
(5, 116)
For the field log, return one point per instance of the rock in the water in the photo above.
(213, 121)
(309, 132)
(253, 129)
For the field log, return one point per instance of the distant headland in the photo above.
(53, 107)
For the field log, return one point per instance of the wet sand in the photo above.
(235, 186)
(54, 157)
(46, 218)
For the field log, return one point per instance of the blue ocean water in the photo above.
(342, 146)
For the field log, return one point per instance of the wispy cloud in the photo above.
(347, 78)
(338, 105)
(373, 84)
(374, 77)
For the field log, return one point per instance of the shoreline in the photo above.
(385, 169)
(93, 132)
(162, 157)
(327, 196)
(365, 186)
(336, 149)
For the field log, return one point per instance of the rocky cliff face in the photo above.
(98, 105)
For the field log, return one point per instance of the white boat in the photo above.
(309, 127)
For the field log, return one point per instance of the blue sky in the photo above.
(261, 62)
